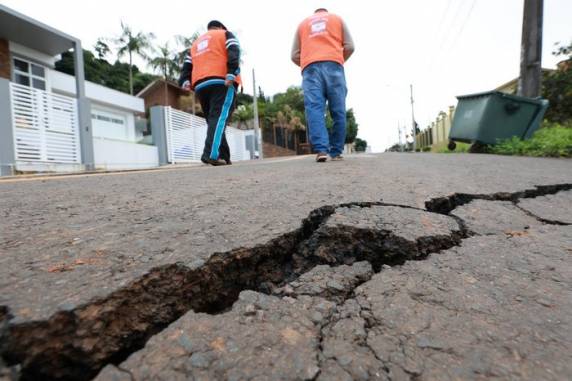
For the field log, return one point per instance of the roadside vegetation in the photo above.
(552, 140)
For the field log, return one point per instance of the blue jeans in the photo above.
(321, 82)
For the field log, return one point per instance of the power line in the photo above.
(457, 14)
(448, 40)
(461, 28)
(464, 24)
(443, 18)
(444, 29)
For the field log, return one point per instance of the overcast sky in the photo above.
(443, 47)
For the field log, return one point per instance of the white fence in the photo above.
(112, 154)
(45, 126)
(186, 136)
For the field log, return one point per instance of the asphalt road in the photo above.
(71, 244)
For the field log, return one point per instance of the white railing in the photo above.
(45, 126)
(237, 143)
(186, 136)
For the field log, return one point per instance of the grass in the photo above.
(553, 140)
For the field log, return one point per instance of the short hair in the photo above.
(320, 9)
(216, 24)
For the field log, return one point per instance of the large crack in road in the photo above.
(447, 204)
(336, 249)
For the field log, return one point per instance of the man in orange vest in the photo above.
(321, 46)
(211, 69)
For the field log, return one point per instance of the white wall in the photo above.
(115, 154)
(65, 84)
(34, 55)
(43, 167)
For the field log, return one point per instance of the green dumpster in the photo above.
(488, 117)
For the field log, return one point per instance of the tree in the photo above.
(101, 48)
(130, 43)
(351, 126)
(360, 145)
(243, 99)
(557, 88)
(287, 109)
(96, 70)
(103, 73)
(261, 94)
(184, 43)
(293, 97)
(243, 114)
(165, 62)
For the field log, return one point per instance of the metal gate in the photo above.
(186, 136)
(45, 126)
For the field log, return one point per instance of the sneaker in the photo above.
(217, 162)
(337, 158)
(321, 157)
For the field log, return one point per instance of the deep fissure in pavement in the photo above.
(76, 344)
(445, 205)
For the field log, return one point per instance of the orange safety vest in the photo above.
(321, 39)
(210, 57)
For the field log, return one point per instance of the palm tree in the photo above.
(185, 43)
(165, 61)
(131, 43)
(102, 48)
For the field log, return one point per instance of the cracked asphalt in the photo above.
(493, 304)
(497, 307)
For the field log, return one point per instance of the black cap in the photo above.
(216, 24)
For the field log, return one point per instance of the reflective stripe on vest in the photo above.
(321, 39)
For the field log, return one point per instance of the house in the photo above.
(50, 121)
(167, 93)
(511, 87)
(564, 65)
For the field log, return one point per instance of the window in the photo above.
(29, 74)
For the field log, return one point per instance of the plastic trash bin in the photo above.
(488, 117)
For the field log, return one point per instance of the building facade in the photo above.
(51, 121)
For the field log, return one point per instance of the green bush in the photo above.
(553, 140)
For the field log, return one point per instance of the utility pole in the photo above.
(399, 136)
(413, 121)
(531, 49)
(257, 137)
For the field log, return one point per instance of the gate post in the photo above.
(7, 149)
(83, 110)
(159, 133)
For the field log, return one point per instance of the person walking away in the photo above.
(211, 69)
(322, 45)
